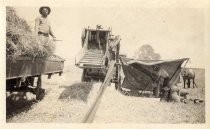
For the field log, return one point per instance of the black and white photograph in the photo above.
(106, 62)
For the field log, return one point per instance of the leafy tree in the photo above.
(146, 52)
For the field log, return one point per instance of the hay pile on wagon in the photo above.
(20, 40)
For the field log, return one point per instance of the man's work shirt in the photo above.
(43, 25)
(162, 74)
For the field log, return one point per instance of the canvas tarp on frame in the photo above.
(139, 74)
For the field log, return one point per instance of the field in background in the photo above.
(199, 77)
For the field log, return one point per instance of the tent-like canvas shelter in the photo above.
(139, 74)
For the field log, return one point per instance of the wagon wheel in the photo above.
(39, 91)
(30, 81)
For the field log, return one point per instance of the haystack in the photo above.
(20, 41)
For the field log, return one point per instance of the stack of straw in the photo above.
(20, 41)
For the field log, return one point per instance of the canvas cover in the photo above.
(140, 75)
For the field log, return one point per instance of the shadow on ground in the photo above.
(17, 103)
(78, 91)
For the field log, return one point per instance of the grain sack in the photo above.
(174, 94)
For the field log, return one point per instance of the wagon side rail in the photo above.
(79, 56)
(25, 67)
(82, 51)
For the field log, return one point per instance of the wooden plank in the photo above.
(92, 63)
(89, 117)
(93, 59)
(95, 55)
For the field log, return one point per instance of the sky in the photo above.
(172, 32)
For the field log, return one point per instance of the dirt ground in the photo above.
(67, 100)
(117, 108)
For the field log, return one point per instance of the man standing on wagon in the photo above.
(42, 23)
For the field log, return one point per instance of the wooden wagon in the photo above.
(24, 73)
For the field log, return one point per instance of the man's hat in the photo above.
(41, 8)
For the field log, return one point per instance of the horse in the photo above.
(188, 74)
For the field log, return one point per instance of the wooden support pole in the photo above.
(39, 90)
(39, 81)
(50, 75)
(117, 65)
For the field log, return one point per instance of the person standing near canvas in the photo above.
(162, 77)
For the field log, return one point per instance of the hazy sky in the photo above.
(172, 32)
